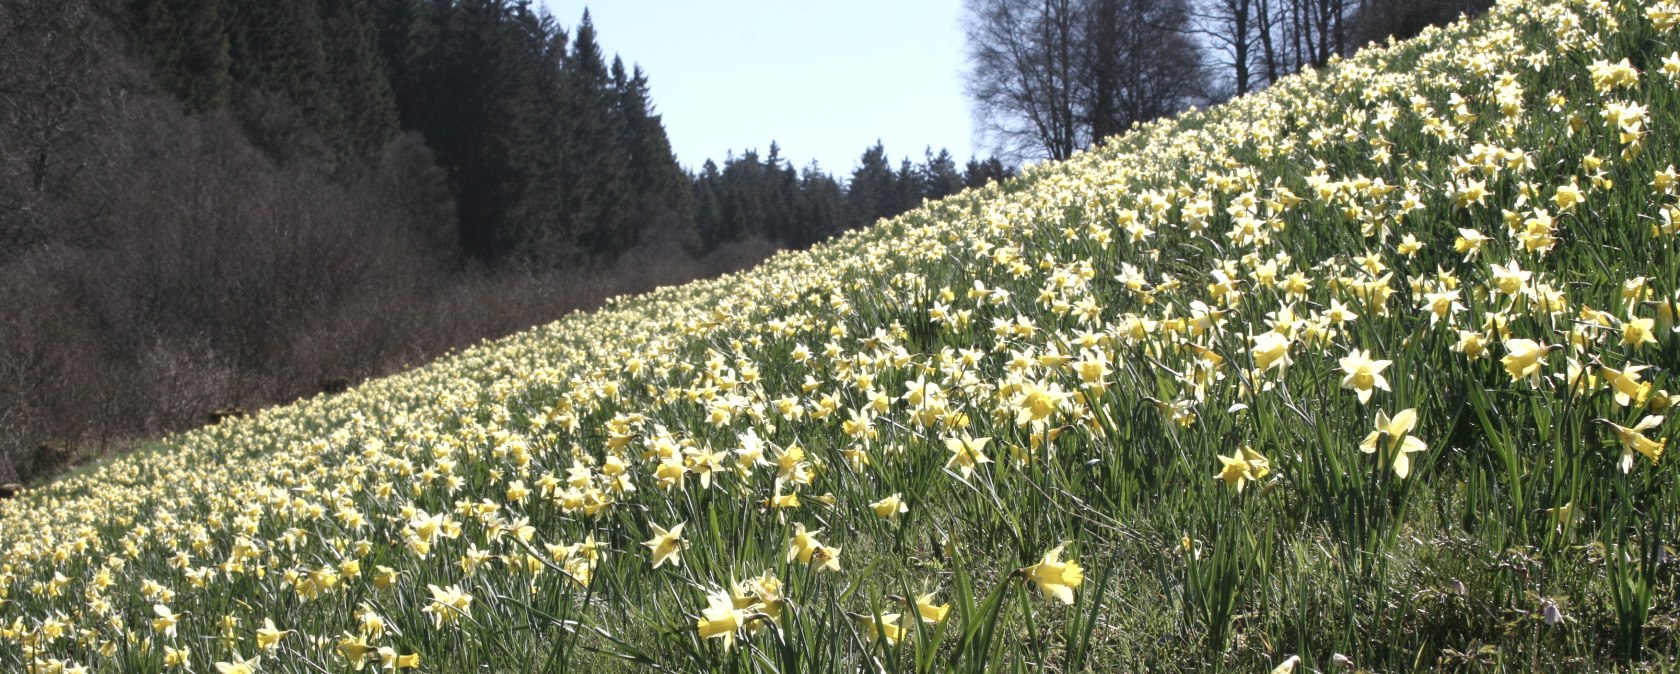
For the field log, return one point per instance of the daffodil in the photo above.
(1055, 578)
(720, 618)
(268, 638)
(1270, 350)
(967, 453)
(354, 648)
(1363, 374)
(930, 612)
(165, 621)
(889, 507)
(1625, 382)
(1524, 358)
(239, 665)
(876, 628)
(391, 660)
(1634, 441)
(448, 604)
(1400, 441)
(666, 545)
(1036, 401)
(1638, 331)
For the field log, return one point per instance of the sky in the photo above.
(824, 80)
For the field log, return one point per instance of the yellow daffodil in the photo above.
(889, 507)
(268, 638)
(1055, 578)
(930, 612)
(1270, 350)
(875, 628)
(1524, 358)
(354, 648)
(1363, 374)
(1634, 441)
(391, 660)
(239, 665)
(967, 453)
(720, 618)
(1625, 382)
(448, 605)
(1400, 441)
(666, 545)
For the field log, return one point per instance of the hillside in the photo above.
(1368, 370)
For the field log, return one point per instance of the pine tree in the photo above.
(595, 171)
(655, 176)
(708, 205)
(939, 176)
(186, 44)
(823, 211)
(977, 173)
(873, 191)
(357, 81)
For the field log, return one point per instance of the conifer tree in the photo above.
(186, 44)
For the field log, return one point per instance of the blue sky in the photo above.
(822, 79)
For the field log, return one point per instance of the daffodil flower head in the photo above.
(666, 545)
(721, 619)
(1055, 578)
(1363, 375)
(1634, 441)
(967, 453)
(1399, 440)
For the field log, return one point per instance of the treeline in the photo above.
(554, 153)
(207, 206)
(769, 199)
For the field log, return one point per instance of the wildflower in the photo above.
(354, 648)
(720, 618)
(1036, 401)
(1568, 196)
(966, 454)
(1638, 331)
(1634, 440)
(1242, 466)
(1511, 278)
(389, 659)
(1363, 374)
(1524, 358)
(239, 665)
(1055, 578)
(448, 604)
(1270, 349)
(1400, 441)
(1409, 245)
(1625, 382)
(268, 638)
(889, 507)
(804, 546)
(165, 621)
(1443, 304)
(884, 626)
(1469, 242)
(666, 545)
(930, 612)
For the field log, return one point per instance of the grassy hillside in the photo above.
(1367, 371)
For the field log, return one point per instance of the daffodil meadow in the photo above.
(1370, 371)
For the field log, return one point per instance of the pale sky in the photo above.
(824, 80)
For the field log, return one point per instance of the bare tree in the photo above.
(1049, 77)
(1022, 75)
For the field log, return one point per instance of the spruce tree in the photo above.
(186, 44)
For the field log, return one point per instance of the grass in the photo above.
(1367, 371)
